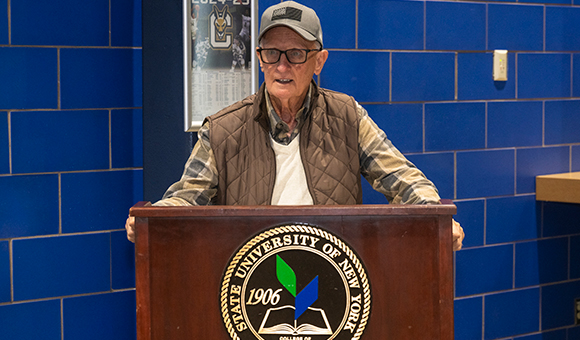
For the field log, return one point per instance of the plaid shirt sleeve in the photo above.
(198, 184)
(387, 170)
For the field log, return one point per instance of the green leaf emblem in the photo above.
(286, 275)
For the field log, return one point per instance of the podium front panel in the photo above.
(182, 253)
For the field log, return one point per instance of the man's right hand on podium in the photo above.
(130, 227)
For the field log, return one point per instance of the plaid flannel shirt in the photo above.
(382, 165)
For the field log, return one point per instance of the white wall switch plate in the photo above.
(500, 65)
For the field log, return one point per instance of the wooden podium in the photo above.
(182, 252)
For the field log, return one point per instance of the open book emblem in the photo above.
(295, 282)
(303, 301)
(320, 328)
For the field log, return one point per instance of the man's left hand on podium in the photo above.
(458, 236)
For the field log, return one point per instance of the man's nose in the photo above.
(283, 62)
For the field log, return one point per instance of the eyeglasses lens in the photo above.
(294, 56)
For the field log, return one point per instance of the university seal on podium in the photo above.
(295, 282)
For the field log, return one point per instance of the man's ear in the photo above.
(320, 60)
(259, 59)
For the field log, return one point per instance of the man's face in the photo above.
(286, 81)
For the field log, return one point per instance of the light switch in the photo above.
(500, 65)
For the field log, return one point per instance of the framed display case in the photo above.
(220, 67)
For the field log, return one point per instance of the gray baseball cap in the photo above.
(291, 14)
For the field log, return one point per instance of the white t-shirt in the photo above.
(291, 187)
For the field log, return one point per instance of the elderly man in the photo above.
(294, 142)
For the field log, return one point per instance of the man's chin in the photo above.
(283, 92)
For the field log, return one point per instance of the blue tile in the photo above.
(403, 124)
(562, 122)
(560, 219)
(104, 316)
(28, 70)
(137, 185)
(471, 216)
(477, 169)
(422, 76)
(559, 334)
(355, 72)
(553, 335)
(31, 321)
(391, 25)
(567, 2)
(4, 24)
(454, 126)
(552, 69)
(483, 270)
(512, 313)
(562, 27)
(574, 257)
(32, 207)
(455, 26)
(338, 22)
(114, 190)
(468, 318)
(516, 27)
(50, 141)
(573, 333)
(122, 261)
(558, 304)
(115, 74)
(475, 77)
(511, 124)
(576, 75)
(512, 219)
(4, 146)
(541, 262)
(5, 294)
(539, 161)
(58, 266)
(127, 138)
(438, 167)
(60, 22)
(575, 158)
(370, 195)
(126, 23)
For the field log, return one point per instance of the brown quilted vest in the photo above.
(239, 137)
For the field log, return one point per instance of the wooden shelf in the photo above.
(559, 187)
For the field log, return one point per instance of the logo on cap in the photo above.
(287, 13)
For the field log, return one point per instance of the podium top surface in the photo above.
(144, 209)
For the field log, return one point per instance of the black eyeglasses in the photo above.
(294, 55)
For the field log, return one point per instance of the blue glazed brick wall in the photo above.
(423, 70)
(70, 167)
(71, 155)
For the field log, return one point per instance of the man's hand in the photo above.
(130, 227)
(458, 236)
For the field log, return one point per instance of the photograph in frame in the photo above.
(218, 56)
